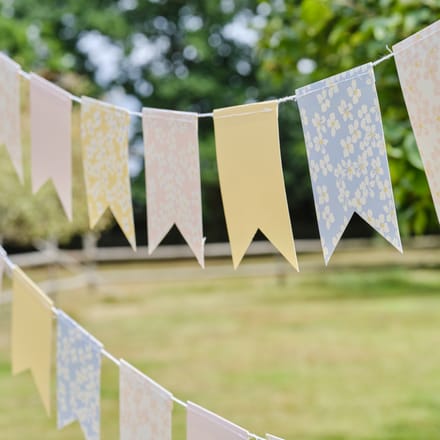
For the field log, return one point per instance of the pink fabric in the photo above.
(202, 424)
(51, 109)
(172, 173)
(145, 407)
(418, 65)
(10, 111)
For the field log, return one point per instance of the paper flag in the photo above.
(31, 333)
(202, 424)
(104, 136)
(145, 407)
(347, 157)
(78, 377)
(50, 110)
(172, 173)
(251, 178)
(418, 65)
(10, 111)
(273, 437)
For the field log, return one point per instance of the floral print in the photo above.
(172, 173)
(417, 60)
(104, 137)
(145, 407)
(78, 377)
(347, 157)
(10, 111)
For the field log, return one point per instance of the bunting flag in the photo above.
(172, 173)
(10, 111)
(78, 377)
(251, 178)
(31, 333)
(347, 157)
(273, 437)
(418, 65)
(202, 424)
(145, 407)
(50, 110)
(104, 136)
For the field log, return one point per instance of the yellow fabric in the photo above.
(104, 137)
(251, 178)
(31, 333)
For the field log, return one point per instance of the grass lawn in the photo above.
(335, 355)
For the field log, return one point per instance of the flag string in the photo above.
(281, 100)
(11, 266)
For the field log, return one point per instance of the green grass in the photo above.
(337, 355)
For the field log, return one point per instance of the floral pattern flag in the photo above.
(347, 157)
(251, 178)
(78, 377)
(104, 136)
(202, 424)
(418, 65)
(31, 333)
(10, 111)
(145, 407)
(50, 109)
(172, 173)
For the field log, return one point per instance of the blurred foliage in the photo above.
(198, 55)
(305, 41)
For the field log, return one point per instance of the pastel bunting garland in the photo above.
(172, 173)
(347, 157)
(31, 333)
(104, 138)
(251, 178)
(78, 377)
(418, 66)
(10, 125)
(50, 111)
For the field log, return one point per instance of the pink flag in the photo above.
(10, 111)
(51, 148)
(145, 407)
(418, 65)
(202, 424)
(172, 173)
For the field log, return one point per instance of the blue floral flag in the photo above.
(347, 157)
(78, 377)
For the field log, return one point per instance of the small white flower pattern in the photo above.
(104, 138)
(417, 60)
(347, 157)
(10, 111)
(145, 407)
(78, 377)
(172, 173)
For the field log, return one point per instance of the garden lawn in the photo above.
(336, 355)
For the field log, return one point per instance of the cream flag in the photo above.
(50, 109)
(418, 65)
(251, 178)
(172, 173)
(31, 333)
(104, 136)
(145, 407)
(202, 424)
(10, 111)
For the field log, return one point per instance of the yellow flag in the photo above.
(251, 178)
(104, 138)
(31, 333)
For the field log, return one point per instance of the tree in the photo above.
(308, 40)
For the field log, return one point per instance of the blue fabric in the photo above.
(347, 157)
